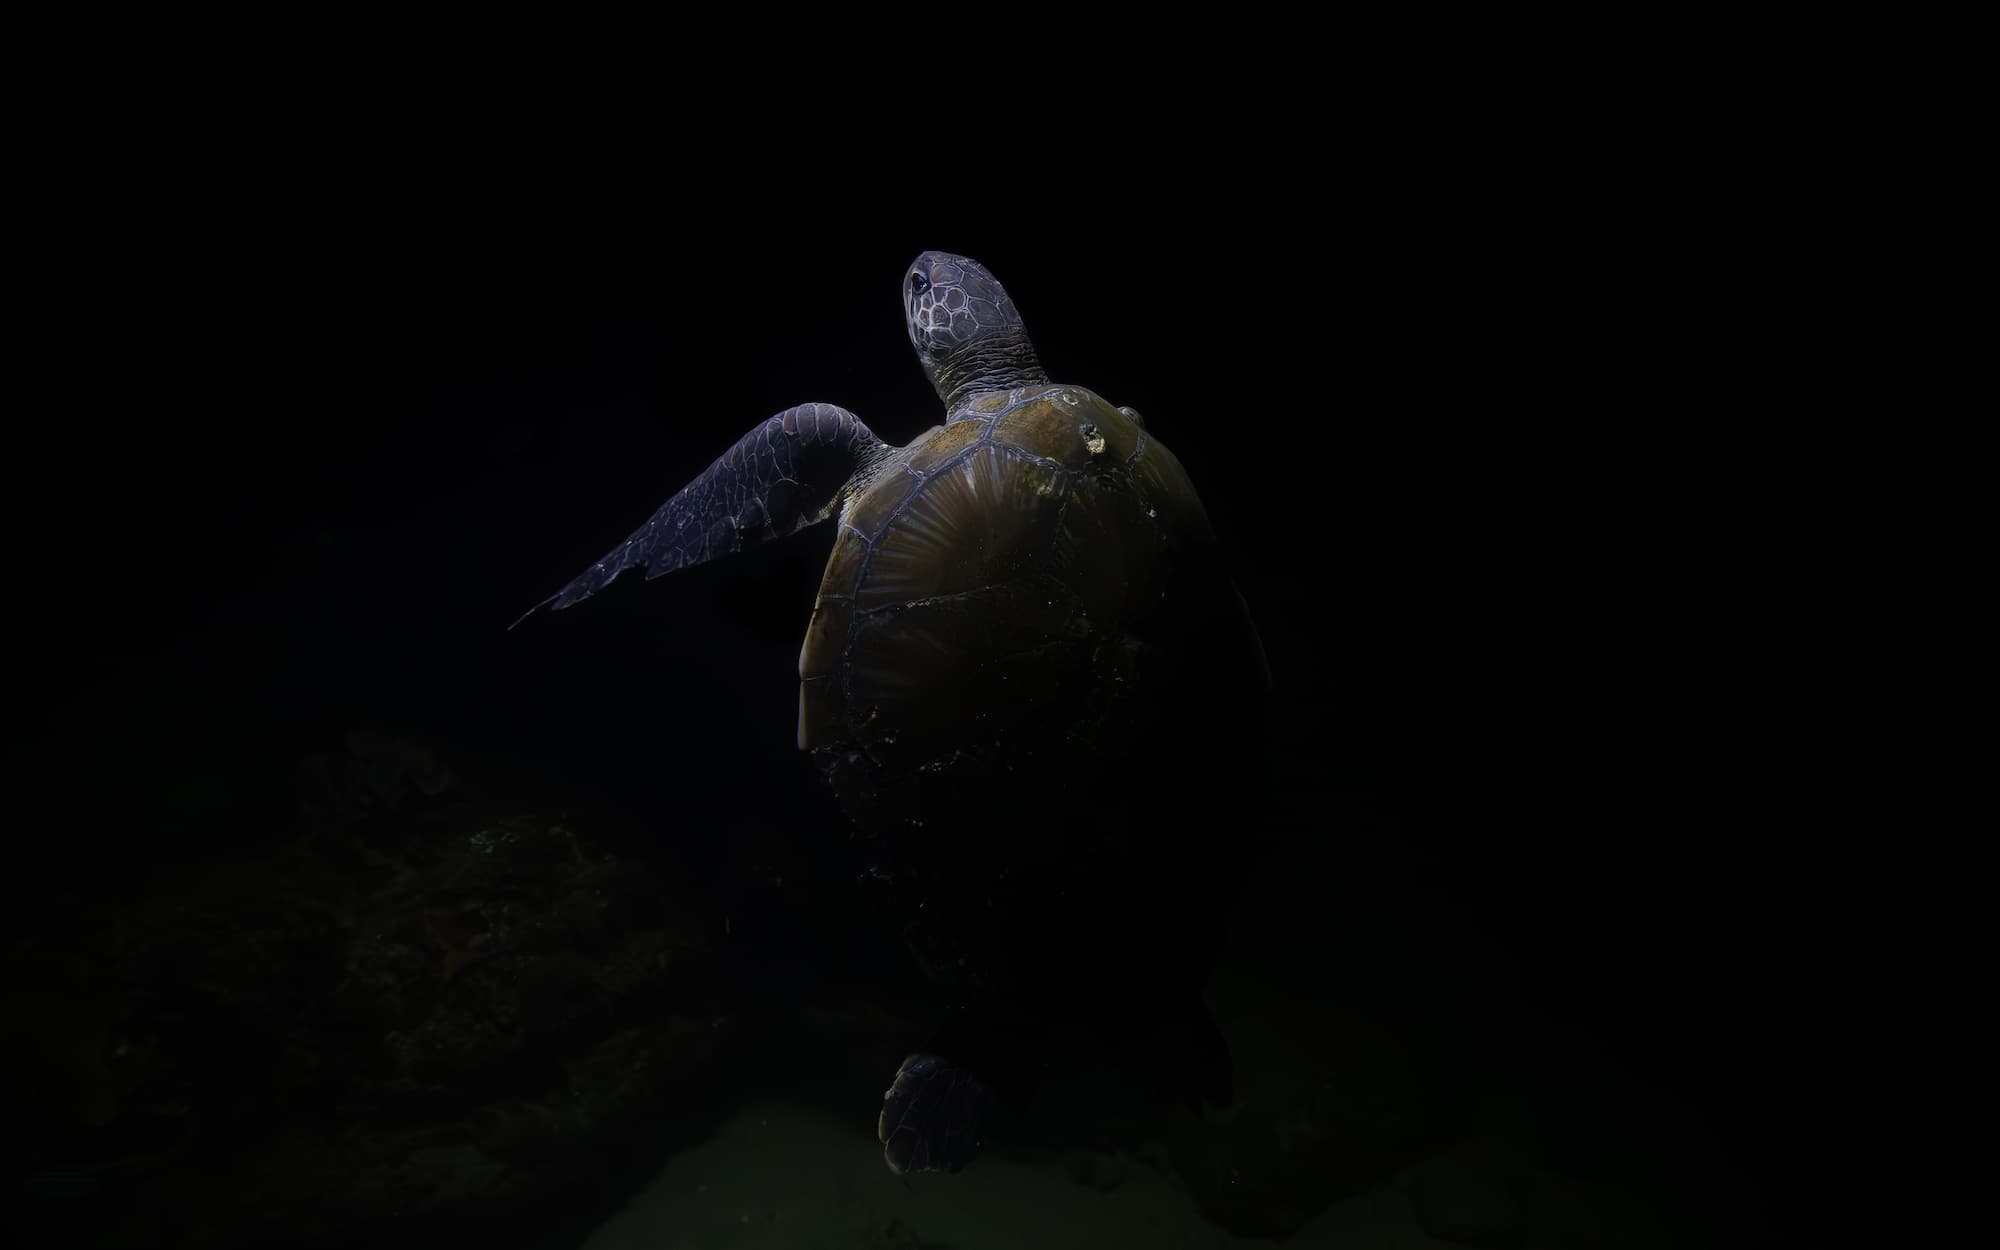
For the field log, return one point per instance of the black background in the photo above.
(1494, 457)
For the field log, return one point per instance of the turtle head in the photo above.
(965, 329)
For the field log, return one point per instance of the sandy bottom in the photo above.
(1319, 1048)
(778, 1175)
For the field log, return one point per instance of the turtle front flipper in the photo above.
(784, 475)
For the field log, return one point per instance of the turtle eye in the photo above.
(919, 284)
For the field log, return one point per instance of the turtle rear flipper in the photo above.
(985, 1057)
(1198, 1066)
(934, 1116)
(788, 473)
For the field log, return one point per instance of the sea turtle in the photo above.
(1024, 670)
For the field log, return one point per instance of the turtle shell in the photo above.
(1002, 594)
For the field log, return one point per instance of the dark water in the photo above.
(349, 915)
